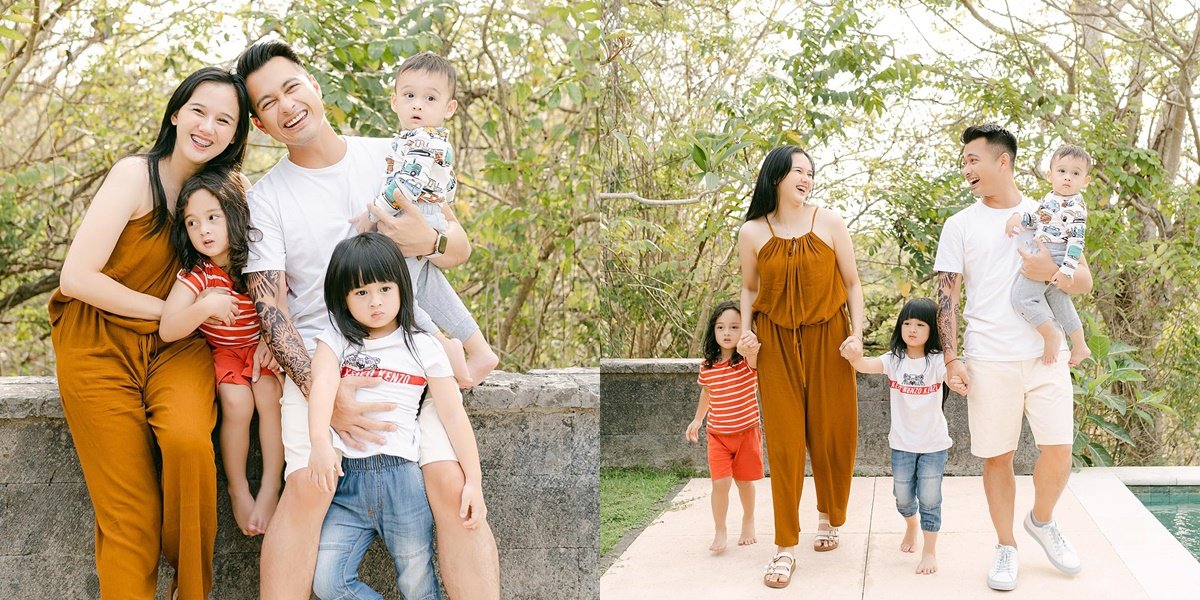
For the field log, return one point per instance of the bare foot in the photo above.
(480, 364)
(718, 545)
(928, 564)
(458, 362)
(1053, 341)
(1079, 354)
(747, 536)
(264, 509)
(909, 543)
(243, 505)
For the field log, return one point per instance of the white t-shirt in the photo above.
(918, 424)
(973, 243)
(404, 376)
(302, 214)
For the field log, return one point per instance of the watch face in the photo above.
(441, 243)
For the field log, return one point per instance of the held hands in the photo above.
(349, 418)
(956, 377)
(472, 510)
(748, 345)
(1013, 225)
(851, 347)
(693, 431)
(324, 468)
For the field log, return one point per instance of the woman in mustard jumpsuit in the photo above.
(126, 394)
(801, 303)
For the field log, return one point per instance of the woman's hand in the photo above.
(472, 510)
(851, 346)
(324, 468)
(693, 431)
(748, 345)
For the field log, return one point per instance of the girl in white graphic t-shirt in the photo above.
(919, 437)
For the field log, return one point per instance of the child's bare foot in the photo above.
(928, 564)
(243, 505)
(479, 365)
(1079, 354)
(718, 545)
(909, 543)
(458, 362)
(264, 509)
(1053, 341)
(747, 536)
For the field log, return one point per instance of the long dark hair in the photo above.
(712, 350)
(228, 160)
(362, 260)
(921, 309)
(226, 187)
(774, 168)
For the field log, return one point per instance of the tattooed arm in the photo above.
(949, 293)
(270, 301)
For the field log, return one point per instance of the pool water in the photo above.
(1177, 507)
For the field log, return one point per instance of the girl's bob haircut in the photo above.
(712, 350)
(921, 309)
(362, 260)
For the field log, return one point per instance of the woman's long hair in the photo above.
(228, 160)
(226, 187)
(362, 260)
(774, 168)
(712, 350)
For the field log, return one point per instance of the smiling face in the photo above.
(287, 102)
(375, 307)
(422, 99)
(797, 184)
(206, 227)
(1068, 175)
(985, 167)
(206, 123)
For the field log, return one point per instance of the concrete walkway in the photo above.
(670, 558)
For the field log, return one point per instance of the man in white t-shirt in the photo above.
(302, 208)
(1003, 376)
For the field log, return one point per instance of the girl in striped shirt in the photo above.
(210, 231)
(729, 382)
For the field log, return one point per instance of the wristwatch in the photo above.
(439, 246)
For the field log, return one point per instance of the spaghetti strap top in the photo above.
(799, 282)
(143, 261)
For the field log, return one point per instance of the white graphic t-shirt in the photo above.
(918, 424)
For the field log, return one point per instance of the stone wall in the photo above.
(647, 404)
(537, 438)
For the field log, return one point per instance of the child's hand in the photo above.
(851, 352)
(1013, 225)
(221, 306)
(324, 468)
(693, 431)
(472, 510)
(362, 223)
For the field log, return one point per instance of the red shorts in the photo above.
(236, 365)
(739, 455)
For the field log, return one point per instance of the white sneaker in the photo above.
(1003, 575)
(1057, 548)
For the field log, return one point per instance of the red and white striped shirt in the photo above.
(733, 406)
(244, 331)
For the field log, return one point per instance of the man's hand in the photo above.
(957, 378)
(1037, 267)
(349, 420)
(263, 359)
(412, 234)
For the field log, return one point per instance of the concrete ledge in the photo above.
(647, 404)
(539, 450)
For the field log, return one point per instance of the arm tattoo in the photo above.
(947, 311)
(279, 332)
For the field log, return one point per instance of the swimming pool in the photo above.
(1177, 507)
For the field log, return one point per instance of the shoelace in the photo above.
(1006, 559)
(1056, 537)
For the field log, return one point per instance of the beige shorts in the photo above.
(297, 445)
(1002, 391)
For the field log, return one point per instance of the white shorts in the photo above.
(297, 445)
(1002, 391)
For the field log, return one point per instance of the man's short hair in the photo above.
(997, 136)
(1069, 150)
(432, 63)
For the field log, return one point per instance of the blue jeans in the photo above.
(378, 496)
(918, 485)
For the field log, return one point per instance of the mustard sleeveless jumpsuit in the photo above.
(807, 390)
(124, 393)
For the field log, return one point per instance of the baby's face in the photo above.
(423, 99)
(1068, 175)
